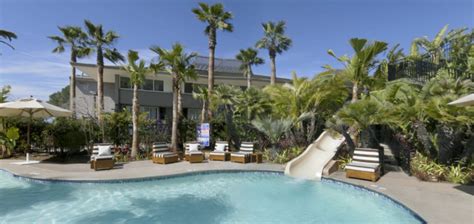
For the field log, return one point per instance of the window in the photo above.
(188, 88)
(159, 85)
(125, 83)
(162, 113)
(147, 85)
(151, 112)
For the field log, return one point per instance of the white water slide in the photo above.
(310, 164)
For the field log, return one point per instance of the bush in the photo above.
(284, 155)
(457, 174)
(67, 134)
(425, 169)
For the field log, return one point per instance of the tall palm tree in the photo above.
(137, 69)
(7, 36)
(203, 95)
(357, 67)
(179, 65)
(275, 41)
(248, 57)
(102, 42)
(217, 19)
(74, 38)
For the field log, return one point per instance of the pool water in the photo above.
(203, 198)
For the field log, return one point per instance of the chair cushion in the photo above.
(104, 150)
(220, 147)
(193, 147)
(366, 169)
(194, 153)
(241, 154)
(164, 154)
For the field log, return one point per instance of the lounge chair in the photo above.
(192, 153)
(244, 154)
(221, 152)
(102, 157)
(162, 154)
(365, 164)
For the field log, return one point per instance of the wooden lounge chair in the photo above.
(244, 154)
(221, 152)
(162, 154)
(193, 156)
(102, 157)
(366, 164)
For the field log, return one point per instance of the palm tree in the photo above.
(274, 129)
(7, 35)
(179, 65)
(275, 41)
(217, 19)
(252, 103)
(203, 95)
(225, 97)
(102, 44)
(358, 67)
(248, 57)
(74, 38)
(435, 47)
(137, 73)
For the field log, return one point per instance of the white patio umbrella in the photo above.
(31, 108)
(464, 101)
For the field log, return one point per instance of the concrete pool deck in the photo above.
(434, 202)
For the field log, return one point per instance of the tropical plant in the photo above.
(202, 95)
(61, 98)
(5, 36)
(275, 41)
(117, 127)
(252, 103)
(273, 129)
(248, 58)
(224, 101)
(358, 67)
(179, 65)
(4, 92)
(74, 38)
(101, 42)
(433, 47)
(458, 174)
(8, 140)
(137, 68)
(216, 18)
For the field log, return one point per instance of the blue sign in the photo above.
(203, 135)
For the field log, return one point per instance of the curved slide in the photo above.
(310, 164)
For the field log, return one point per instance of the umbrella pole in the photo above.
(28, 147)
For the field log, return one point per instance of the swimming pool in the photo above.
(250, 197)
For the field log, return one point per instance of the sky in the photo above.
(314, 26)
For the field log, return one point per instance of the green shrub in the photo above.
(344, 160)
(425, 169)
(457, 174)
(283, 156)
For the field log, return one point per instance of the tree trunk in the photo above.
(174, 125)
(135, 112)
(204, 111)
(249, 77)
(100, 89)
(72, 86)
(273, 66)
(210, 69)
(355, 92)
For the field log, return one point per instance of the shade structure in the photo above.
(31, 108)
(464, 101)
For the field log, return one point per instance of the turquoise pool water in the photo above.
(203, 198)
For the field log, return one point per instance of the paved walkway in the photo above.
(434, 202)
(138, 169)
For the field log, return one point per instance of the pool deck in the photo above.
(434, 202)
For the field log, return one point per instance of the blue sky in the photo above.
(314, 26)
